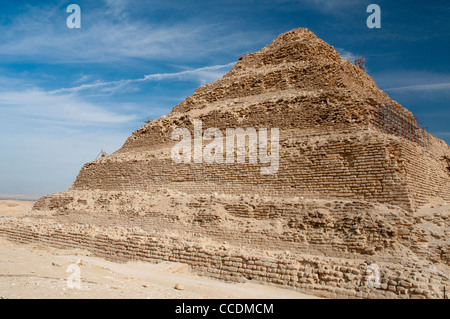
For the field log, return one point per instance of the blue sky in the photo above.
(65, 94)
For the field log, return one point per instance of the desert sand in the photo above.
(38, 271)
(14, 207)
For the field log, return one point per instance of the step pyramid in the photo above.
(354, 174)
(326, 110)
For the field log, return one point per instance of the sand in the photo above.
(37, 271)
(14, 207)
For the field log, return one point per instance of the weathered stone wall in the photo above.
(424, 170)
(326, 111)
(322, 276)
(346, 228)
(360, 165)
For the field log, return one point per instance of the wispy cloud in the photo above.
(347, 55)
(422, 87)
(333, 6)
(101, 42)
(68, 109)
(66, 106)
(83, 78)
(40, 35)
(442, 134)
(116, 8)
(404, 81)
(203, 75)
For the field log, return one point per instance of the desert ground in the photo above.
(37, 271)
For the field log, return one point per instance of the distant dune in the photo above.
(19, 197)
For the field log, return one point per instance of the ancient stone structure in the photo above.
(355, 183)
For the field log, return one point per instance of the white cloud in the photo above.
(102, 42)
(441, 134)
(413, 81)
(116, 8)
(83, 78)
(203, 75)
(64, 108)
(104, 39)
(347, 55)
(422, 87)
(333, 6)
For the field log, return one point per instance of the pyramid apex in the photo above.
(295, 34)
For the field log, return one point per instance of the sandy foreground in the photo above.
(37, 271)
